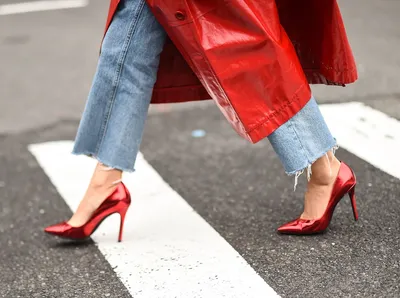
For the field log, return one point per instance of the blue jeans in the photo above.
(113, 121)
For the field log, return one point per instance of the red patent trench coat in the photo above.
(254, 58)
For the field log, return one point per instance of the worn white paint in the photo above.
(367, 133)
(168, 249)
(34, 6)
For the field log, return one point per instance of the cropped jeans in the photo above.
(113, 121)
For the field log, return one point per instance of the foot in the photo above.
(320, 186)
(102, 185)
(93, 198)
(321, 213)
(117, 202)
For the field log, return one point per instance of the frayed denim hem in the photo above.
(104, 162)
(307, 167)
(302, 140)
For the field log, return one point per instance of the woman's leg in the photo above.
(304, 143)
(112, 124)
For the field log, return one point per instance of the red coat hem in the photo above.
(280, 116)
(338, 78)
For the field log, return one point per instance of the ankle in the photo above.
(98, 192)
(324, 170)
(102, 185)
(322, 179)
(105, 178)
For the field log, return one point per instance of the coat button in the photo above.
(180, 15)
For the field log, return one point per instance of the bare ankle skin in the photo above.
(319, 188)
(104, 176)
(102, 184)
(325, 169)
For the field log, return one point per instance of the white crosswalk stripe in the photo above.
(168, 249)
(25, 7)
(367, 133)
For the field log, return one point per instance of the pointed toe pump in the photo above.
(345, 184)
(118, 202)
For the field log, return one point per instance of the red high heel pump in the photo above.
(117, 202)
(345, 184)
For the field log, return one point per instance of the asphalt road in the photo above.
(47, 60)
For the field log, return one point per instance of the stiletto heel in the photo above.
(121, 226)
(118, 202)
(352, 196)
(345, 184)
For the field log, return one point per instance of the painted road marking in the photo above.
(367, 133)
(168, 249)
(25, 7)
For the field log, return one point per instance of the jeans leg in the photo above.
(113, 121)
(303, 139)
